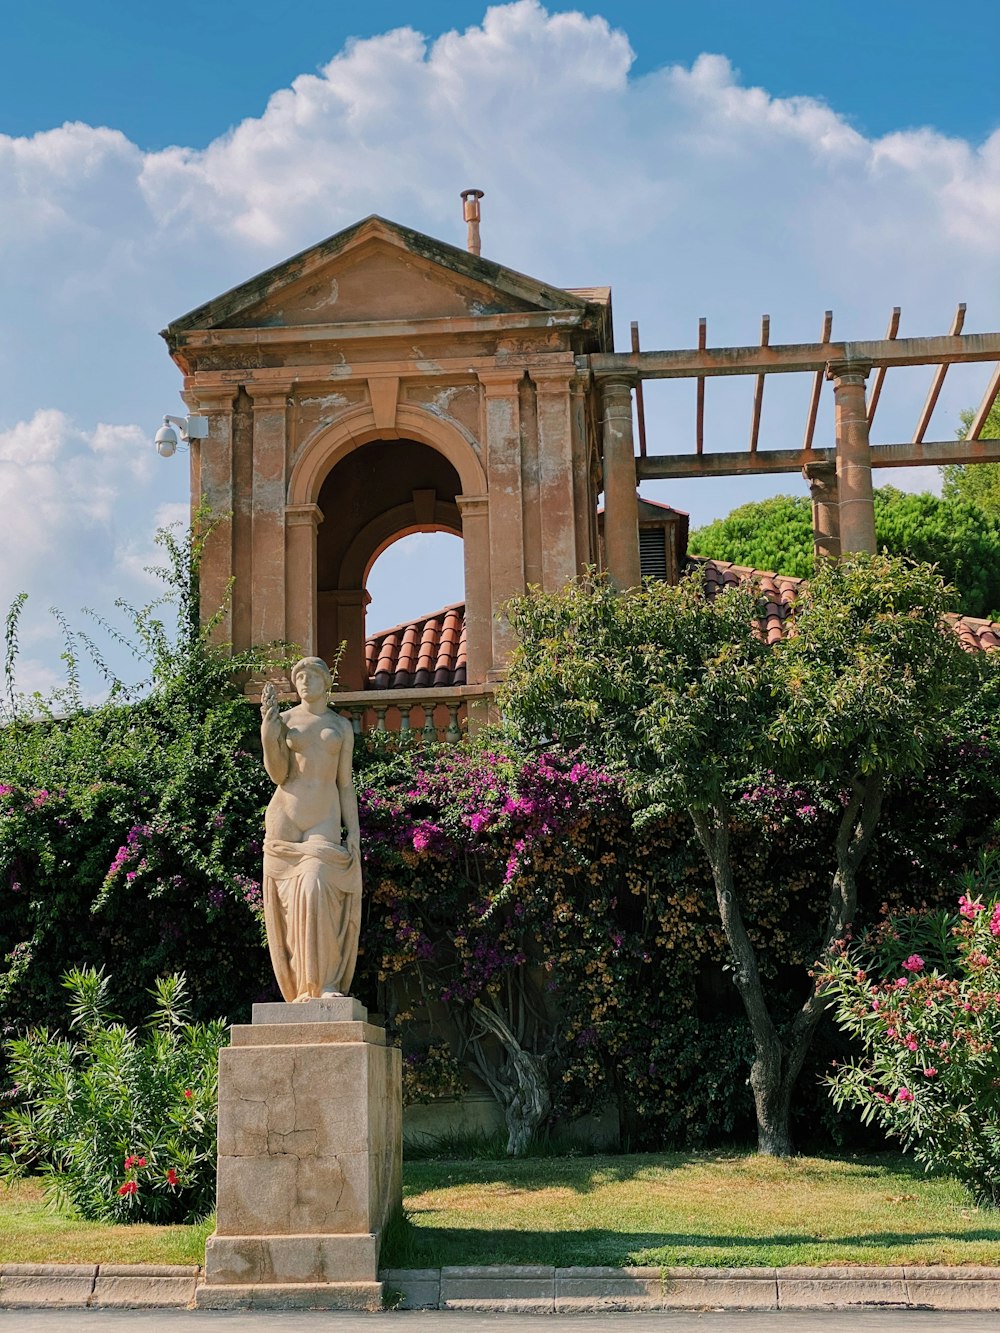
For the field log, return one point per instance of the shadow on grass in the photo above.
(412, 1246)
(583, 1175)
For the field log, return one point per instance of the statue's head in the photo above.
(307, 670)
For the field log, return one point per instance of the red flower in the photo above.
(188, 1093)
(172, 1180)
(140, 1161)
(129, 1163)
(130, 1187)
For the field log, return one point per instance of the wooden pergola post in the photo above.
(855, 495)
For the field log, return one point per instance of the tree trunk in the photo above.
(520, 1084)
(777, 1064)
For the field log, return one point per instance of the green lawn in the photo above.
(699, 1209)
(725, 1210)
(30, 1233)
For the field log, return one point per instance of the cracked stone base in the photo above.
(310, 1159)
(291, 1296)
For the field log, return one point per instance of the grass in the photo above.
(30, 1233)
(710, 1210)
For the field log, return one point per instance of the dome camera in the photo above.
(166, 441)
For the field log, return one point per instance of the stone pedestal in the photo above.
(310, 1157)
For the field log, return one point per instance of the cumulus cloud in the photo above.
(690, 192)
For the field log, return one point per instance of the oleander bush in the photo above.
(920, 995)
(120, 1124)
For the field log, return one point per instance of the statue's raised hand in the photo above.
(268, 702)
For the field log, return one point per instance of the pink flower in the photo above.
(900, 984)
(930, 1073)
(914, 963)
(904, 1095)
(911, 1045)
(995, 921)
(875, 1005)
(890, 1032)
(969, 908)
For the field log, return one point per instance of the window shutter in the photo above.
(653, 553)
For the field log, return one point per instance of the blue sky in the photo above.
(718, 159)
(184, 72)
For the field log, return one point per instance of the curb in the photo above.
(537, 1289)
(542, 1290)
(98, 1286)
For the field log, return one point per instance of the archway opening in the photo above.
(415, 575)
(376, 501)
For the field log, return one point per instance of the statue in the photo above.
(312, 879)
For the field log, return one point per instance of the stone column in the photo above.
(621, 506)
(854, 460)
(214, 468)
(822, 479)
(301, 594)
(342, 620)
(267, 609)
(506, 518)
(555, 477)
(475, 511)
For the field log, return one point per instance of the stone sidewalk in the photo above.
(532, 1290)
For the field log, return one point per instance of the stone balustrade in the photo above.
(430, 715)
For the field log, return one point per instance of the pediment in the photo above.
(376, 271)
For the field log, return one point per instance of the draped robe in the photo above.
(312, 912)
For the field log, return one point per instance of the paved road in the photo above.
(430, 1321)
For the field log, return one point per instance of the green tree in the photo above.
(957, 532)
(680, 692)
(979, 483)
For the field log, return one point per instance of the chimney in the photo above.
(470, 202)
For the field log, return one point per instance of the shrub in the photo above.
(921, 994)
(121, 1126)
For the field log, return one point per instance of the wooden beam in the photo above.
(879, 379)
(984, 408)
(758, 393)
(817, 387)
(700, 424)
(934, 392)
(640, 406)
(742, 463)
(791, 357)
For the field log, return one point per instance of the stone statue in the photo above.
(312, 879)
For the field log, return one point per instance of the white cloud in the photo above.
(690, 192)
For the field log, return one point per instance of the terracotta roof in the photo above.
(420, 654)
(431, 651)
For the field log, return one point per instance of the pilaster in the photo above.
(301, 608)
(506, 518)
(212, 465)
(475, 511)
(270, 415)
(556, 477)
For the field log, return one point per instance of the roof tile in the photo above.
(430, 652)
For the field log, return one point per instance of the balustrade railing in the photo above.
(431, 715)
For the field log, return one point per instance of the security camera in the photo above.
(166, 440)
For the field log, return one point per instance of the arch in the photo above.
(356, 428)
(378, 535)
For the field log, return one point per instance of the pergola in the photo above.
(840, 478)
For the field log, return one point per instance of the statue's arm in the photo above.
(272, 737)
(345, 786)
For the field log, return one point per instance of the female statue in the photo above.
(312, 879)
